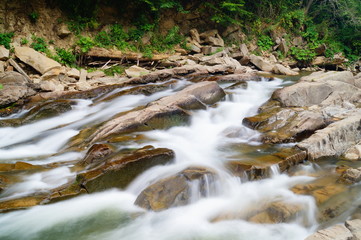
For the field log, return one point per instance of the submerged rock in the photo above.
(175, 190)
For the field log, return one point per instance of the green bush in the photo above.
(24, 41)
(303, 55)
(33, 16)
(65, 57)
(85, 44)
(114, 70)
(5, 39)
(39, 44)
(265, 43)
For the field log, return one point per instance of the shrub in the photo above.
(65, 56)
(303, 56)
(39, 44)
(24, 41)
(114, 70)
(85, 44)
(265, 42)
(5, 39)
(33, 16)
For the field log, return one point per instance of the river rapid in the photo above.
(213, 137)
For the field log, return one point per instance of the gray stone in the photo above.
(63, 30)
(83, 74)
(195, 35)
(344, 76)
(208, 50)
(95, 74)
(51, 85)
(36, 60)
(73, 73)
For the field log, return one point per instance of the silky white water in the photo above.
(112, 214)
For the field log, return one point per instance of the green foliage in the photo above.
(24, 41)
(79, 24)
(85, 44)
(293, 20)
(65, 57)
(303, 55)
(228, 12)
(265, 43)
(33, 16)
(115, 37)
(1, 86)
(39, 44)
(5, 39)
(114, 70)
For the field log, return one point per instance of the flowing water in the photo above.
(213, 137)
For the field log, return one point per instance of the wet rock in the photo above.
(15, 87)
(18, 166)
(96, 154)
(175, 190)
(336, 232)
(354, 152)
(261, 167)
(333, 140)
(350, 176)
(4, 53)
(120, 169)
(261, 63)
(250, 76)
(22, 203)
(277, 212)
(135, 71)
(36, 60)
(165, 112)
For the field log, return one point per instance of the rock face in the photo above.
(333, 140)
(15, 87)
(350, 176)
(175, 190)
(36, 60)
(164, 112)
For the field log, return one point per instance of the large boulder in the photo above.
(118, 170)
(14, 87)
(344, 76)
(176, 190)
(280, 69)
(163, 113)
(36, 60)
(4, 53)
(261, 63)
(333, 140)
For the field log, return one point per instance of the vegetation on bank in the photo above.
(333, 23)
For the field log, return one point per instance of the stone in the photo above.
(245, 60)
(336, 232)
(63, 30)
(52, 85)
(320, 51)
(4, 53)
(164, 112)
(353, 153)
(135, 71)
(261, 63)
(15, 87)
(283, 47)
(355, 227)
(280, 69)
(83, 86)
(95, 74)
(212, 38)
(175, 190)
(36, 60)
(195, 35)
(208, 50)
(297, 41)
(350, 176)
(73, 73)
(333, 140)
(244, 50)
(82, 75)
(96, 154)
(320, 76)
(120, 169)
(2, 66)
(319, 61)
